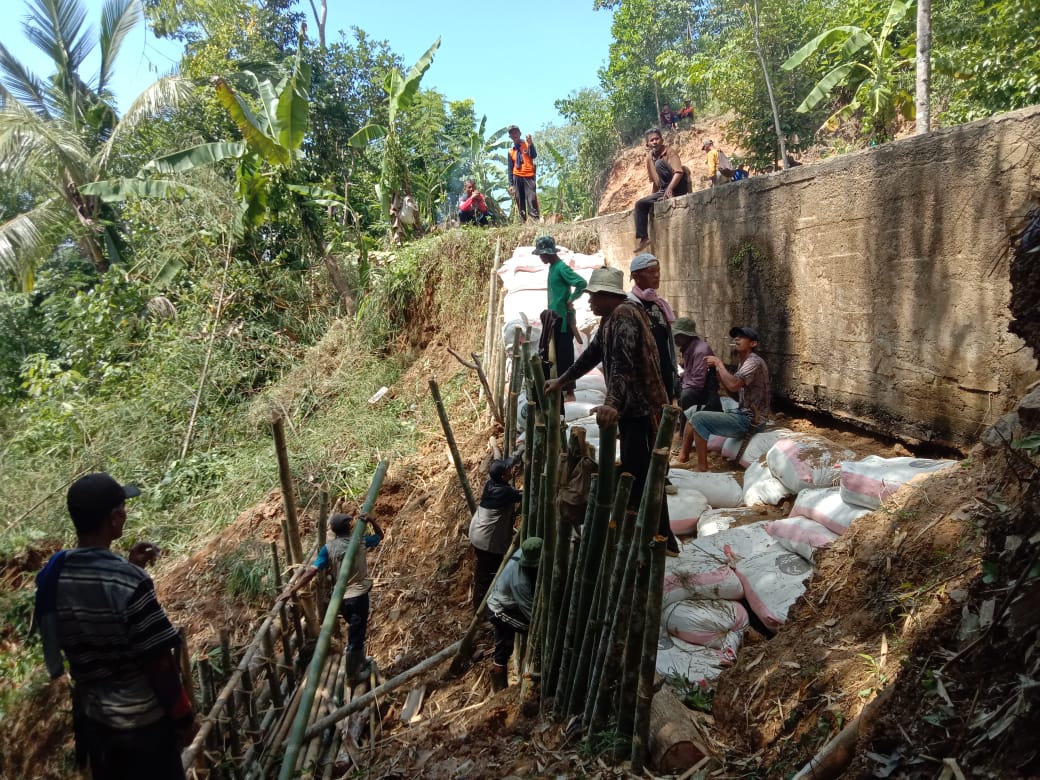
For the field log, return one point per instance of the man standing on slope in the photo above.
(511, 604)
(665, 171)
(564, 286)
(521, 175)
(635, 392)
(646, 274)
(750, 383)
(130, 712)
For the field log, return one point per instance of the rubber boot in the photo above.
(357, 667)
(499, 678)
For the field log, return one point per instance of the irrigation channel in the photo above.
(285, 709)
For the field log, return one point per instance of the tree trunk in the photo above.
(769, 86)
(922, 95)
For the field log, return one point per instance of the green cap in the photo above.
(685, 326)
(545, 245)
(531, 552)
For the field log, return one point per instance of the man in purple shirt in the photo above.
(751, 385)
(700, 383)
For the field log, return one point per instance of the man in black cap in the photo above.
(491, 528)
(130, 712)
(751, 385)
(355, 605)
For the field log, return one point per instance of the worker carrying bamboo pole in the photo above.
(635, 391)
(354, 608)
(511, 604)
(491, 529)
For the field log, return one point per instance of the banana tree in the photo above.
(272, 138)
(868, 68)
(394, 189)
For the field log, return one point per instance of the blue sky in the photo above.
(514, 60)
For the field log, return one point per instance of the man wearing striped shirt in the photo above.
(99, 611)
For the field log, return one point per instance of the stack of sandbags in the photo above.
(827, 507)
(721, 490)
(803, 460)
(870, 481)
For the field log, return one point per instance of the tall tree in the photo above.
(61, 131)
(922, 93)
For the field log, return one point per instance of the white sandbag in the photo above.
(590, 396)
(716, 443)
(697, 575)
(690, 662)
(530, 303)
(760, 444)
(826, 507)
(804, 460)
(715, 520)
(592, 381)
(509, 329)
(800, 535)
(706, 622)
(576, 410)
(685, 508)
(730, 545)
(721, 490)
(773, 579)
(731, 447)
(761, 487)
(870, 481)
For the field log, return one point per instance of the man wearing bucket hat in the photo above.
(511, 604)
(130, 712)
(558, 325)
(491, 527)
(751, 385)
(645, 270)
(700, 382)
(635, 392)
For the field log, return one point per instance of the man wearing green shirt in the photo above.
(565, 286)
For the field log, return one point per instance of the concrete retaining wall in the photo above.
(878, 280)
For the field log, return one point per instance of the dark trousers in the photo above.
(473, 217)
(526, 197)
(706, 399)
(506, 628)
(636, 437)
(128, 754)
(355, 612)
(484, 572)
(645, 205)
(563, 345)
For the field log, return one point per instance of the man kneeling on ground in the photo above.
(750, 382)
(511, 604)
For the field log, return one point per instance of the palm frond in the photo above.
(56, 27)
(26, 240)
(21, 84)
(167, 92)
(48, 150)
(118, 19)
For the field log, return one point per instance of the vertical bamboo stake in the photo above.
(460, 469)
(515, 378)
(500, 382)
(273, 681)
(558, 587)
(648, 662)
(525, 503)
(492, 301)
(292, 525)
(331, 615)
(650, 512)
(187, 679)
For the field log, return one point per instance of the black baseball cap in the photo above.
(97, 494)
(750, 333)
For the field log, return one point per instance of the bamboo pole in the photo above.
(459, 662)
(492, 298)
(321, 650)
(460, 469)
(557, 588)
(294, 550)
(648, 662)
(271, 667)
(392, 684)
(650, 510)
(568, 653)
(515, 379)
(529, 434)
(500, 381)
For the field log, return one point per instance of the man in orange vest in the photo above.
(521, 175)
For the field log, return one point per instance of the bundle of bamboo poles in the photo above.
(591, 649)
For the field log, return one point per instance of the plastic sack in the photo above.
(577, 410)
(761, 443)
(685, 509)
(694, 663)
(773, 579)
(592, 381)
(800, 535)
(590, 396)
(699, 574)
(761, 487)
(803, 461)
(826, 507)
(717, 520)
(721, 490)
(706, 622)
(870, 481)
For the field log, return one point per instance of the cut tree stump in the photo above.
(675, 742)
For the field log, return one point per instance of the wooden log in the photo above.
(675, 742)
(292, 524)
